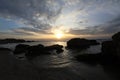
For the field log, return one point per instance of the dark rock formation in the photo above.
(34, 51)
(109, 47)
(11, 40)
(110, 52)
(21, 48)
(38, 50)
(5, 49)
(112, 47)
(56, 47)
(116, 37)
(93, 42)
(78, 43)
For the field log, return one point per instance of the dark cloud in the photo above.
(45, 14)
(31, 10)
(110, 27)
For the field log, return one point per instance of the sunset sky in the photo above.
(59, 19)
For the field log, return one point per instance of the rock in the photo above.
(56, 47)
(5, 49)
(93, 42)
(109, 47)
(78, 43)
(34, 51)
(53, 47)
(110, 53)
(12, 40)
(116, 37)
(21, 48)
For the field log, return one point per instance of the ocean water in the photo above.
(65, 65)
(63, 59)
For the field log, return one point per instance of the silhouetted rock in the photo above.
(109, 47)
(112, 47)
(78, 43)
(34, 51)
(11, 40)
(116, 37)
(37, 50)
(56, 47)
(110, 53)
(21, 48)
(93, 42)
(5, 49)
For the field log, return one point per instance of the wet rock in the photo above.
(21, 48)
(54, 47)
(93, 42)
(5, 49)
(34, 51)
(112, 47)
(116, 37)
(110, 53)
(109, 47)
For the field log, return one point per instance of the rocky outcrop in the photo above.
(112, 47)
(21, 48)
(5, 49)
(110, 53)
(56, 47)
(37, 50)
(34, 51)
(78, 43)
(11, 40)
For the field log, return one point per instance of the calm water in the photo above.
(67, 64)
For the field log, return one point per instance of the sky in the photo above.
(44, 19)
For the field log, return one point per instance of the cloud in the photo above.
(73, 16)
(110, 27)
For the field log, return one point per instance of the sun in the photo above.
(59, 35)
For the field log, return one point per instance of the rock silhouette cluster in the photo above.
(36, 50)
(110, 52)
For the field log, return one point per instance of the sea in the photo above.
(66, 65)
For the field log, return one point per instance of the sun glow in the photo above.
(59, 35)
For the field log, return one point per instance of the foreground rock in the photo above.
(78, 43)
(34, 51)
(5, 49)
(21, 48)
(37, 50)
(112, 48)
